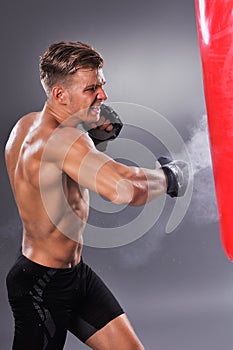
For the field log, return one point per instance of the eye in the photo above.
(92, 88)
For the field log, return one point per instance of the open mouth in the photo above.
(95, 109)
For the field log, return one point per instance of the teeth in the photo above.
(95, 109)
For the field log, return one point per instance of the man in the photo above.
(52, 164)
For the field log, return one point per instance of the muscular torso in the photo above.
(52, 206)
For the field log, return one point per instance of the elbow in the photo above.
(129, 193)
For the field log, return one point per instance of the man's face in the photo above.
(86, 94)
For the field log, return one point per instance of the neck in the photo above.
(60, 115)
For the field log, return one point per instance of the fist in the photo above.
(177, 174)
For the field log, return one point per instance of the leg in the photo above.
(36, 327)
(39, 324)
(117, 334)
(98, 319)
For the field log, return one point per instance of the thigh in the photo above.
(38, 326)
(97, 307)
(117, 334)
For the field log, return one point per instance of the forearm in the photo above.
(137, 186)
(154, 184)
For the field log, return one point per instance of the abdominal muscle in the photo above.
(55, 238)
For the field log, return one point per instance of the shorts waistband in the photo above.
(49, 267)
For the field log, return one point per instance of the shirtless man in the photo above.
(50, 288)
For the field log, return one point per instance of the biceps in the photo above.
(95, 171)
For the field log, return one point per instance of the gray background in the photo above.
(176, 288)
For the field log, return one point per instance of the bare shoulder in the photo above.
(14, 143)
(65, 139)
(19, 130)
(71, 135)
(24, 121)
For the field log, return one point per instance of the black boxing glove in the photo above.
(99, 136)
(177, 175)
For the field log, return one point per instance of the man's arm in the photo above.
(75, 154)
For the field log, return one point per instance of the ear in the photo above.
(60, 94)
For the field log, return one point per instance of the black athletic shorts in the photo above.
(46, 302)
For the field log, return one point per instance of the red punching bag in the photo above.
(215, 32)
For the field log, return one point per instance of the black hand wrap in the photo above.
(101, 137)
(177, 175)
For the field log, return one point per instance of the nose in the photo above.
(102, 94)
